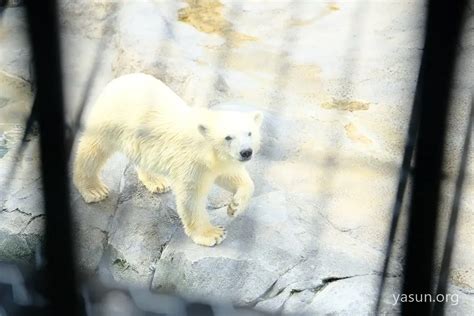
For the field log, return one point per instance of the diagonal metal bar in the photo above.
(451, 234)
(413, 127)
(3, 4)
(436, 76)
(60, 273)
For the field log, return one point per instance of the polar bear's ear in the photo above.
(203, 130)
(258, 117)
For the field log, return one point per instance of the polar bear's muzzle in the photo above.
(246, 154)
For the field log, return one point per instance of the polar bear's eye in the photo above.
(228, 138)
(250, 133)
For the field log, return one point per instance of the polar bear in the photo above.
(172, 146)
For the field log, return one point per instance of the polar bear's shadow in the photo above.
(240, 230)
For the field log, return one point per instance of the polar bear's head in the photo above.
(233, 135)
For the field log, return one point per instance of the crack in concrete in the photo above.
(106, 246)
(162, 249)
(466, 291)
(266, 295)
(165, 244)
(317, 289)
(4, 210)
(121, 198)
(17, 77)
(110, 252)
(269, 292)
(326, 281)
(327, 220)
(105, 243)
(120, 261)
(342, 230)
(103, 231)
(30, 221)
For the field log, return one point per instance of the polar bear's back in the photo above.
(127, 99)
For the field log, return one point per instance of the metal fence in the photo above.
(51, 287)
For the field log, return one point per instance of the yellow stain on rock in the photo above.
(345, 105)
(333, 6)
(461, 278)
(206, 16)
(302, 80)
(15, 101)
(355, 135)
(260, 61)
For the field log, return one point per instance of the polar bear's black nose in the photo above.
(246, 154)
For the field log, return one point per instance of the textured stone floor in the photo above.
(335, 80)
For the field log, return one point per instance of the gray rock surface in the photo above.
(335, 80)
(283, 243)
(14, 52)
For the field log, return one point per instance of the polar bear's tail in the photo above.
(92, 153)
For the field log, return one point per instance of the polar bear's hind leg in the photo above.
(154, 183)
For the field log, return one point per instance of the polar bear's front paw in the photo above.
(233, 209)
(210, 236)
(95, 194)
(236, 207)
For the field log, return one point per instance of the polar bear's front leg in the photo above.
(239, 183)
(191, 207)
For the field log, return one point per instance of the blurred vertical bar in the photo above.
(437, 67)
(410, 141)
(451, 234)
(60, 270)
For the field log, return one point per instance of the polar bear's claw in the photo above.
(154, 184)
(95, 194)
(232, 209)
(209, 237)
(158, 186)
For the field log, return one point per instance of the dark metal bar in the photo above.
(3, 4)
(413, 127)
(442, 33)
(61, 277)
(451, 234)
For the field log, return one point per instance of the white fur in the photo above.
(172, 145)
